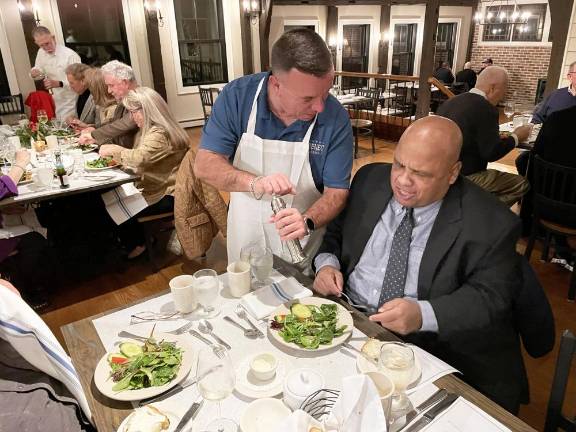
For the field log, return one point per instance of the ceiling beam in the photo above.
(471, 3)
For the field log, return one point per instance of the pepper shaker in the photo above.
(294, 246)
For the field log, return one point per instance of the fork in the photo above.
(241, 312)
(180, 330)
(349, 301)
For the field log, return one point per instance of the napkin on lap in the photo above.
(263, 301)
(358, 408)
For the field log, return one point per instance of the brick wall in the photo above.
(525, 64)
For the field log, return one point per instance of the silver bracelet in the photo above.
(252, 183)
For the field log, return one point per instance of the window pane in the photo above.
(355, 54)
(496, 29)
(532, 30)
(95, 30)
(201, 41)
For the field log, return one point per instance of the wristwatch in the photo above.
(310, 225)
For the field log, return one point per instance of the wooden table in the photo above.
(86, 350)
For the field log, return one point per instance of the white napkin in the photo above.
(264, 301)
(299, 421)
(14, 225)
(123, 202)
(358, 408)
(32, 339)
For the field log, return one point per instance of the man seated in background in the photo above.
(433, 258)
(120, 79)
(476, 114)
(558, 100)
(467, 76)
(487, 62)
(444, 73)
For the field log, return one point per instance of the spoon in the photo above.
(206, 327)
(242, 315)
(249, 333)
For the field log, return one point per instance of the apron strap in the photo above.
(251, 127)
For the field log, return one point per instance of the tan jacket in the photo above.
(199, 210)
(156, 161)
(120, 130)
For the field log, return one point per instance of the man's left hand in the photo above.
(111, 150)
(290, 224)
(49, 83)
(400, 316)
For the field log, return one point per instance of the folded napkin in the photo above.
(264, 301)
(25, 331)
(358, 408)
(14, 225)
(123, 202)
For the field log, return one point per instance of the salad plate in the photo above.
(100, 164)
(105, 384)
(343, 318)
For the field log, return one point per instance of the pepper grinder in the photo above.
(294, 246)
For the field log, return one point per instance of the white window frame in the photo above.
(458, 22)
(419, 41)
(374, 40)
(7, 59)
(171, 16)
(545, 30)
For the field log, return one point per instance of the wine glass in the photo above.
(216, 381)
(261, 262)
(509, 109)
(206, 286)
(42, 116)
(397, 363)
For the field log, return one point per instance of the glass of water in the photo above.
(261, 262)
(216, 381)
(78, 157)
(206, 287)
(397, 363)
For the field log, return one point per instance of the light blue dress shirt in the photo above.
(365, 281)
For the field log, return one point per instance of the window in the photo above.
(95, 30)
(404, 49)
(355, 54)
(445, 43)
(201, 43)
(4, 87)
(497, 29)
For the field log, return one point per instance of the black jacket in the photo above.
(467, 76)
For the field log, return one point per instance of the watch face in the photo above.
(310, 224)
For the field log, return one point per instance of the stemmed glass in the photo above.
(397, 363)
(206, 287)
(509, 109)
(261, 262)
(216, 381)
(42, 116)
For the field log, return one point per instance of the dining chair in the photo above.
(157, 230)
(207, 98)
(554, 417)
(554, 189)
(11, 105)
(363, 115)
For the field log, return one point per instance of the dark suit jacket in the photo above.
(120, 130)
(478, 121)
(467, 76)
(469, 272)
(555, 140)
(444, 75)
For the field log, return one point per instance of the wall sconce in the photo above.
(252, 9)
(34, 11)
(385, 37)
(152, 8)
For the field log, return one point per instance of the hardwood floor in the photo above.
(77, 300)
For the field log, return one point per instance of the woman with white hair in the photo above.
(159, 147)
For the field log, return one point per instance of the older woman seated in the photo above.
(158, 150)
(85, 110)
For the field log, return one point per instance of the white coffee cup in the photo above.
(43, 177)
(183, 293)
(239, 278)
(52, 142)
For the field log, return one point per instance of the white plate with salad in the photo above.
(139, 370)
(311, 324)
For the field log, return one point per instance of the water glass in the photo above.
(397, 363)
(206, 287)
(261, 262)
(216, 380)
(509, 109)
(78, 157)
(247, 250)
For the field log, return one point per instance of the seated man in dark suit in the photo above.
(433, 258)
(467, 75)
(444, 73)
(476, 114)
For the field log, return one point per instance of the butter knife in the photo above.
(202, 338)
(439, 395)
(431, 414)
(189, 415)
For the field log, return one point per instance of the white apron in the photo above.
(248, 218)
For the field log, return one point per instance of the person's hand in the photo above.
(8, 285)
(290, 224)
(50, 83)
(274, 184)
(329, 281)
(523, 132)
(22, 158)
(86, 138)
(399, 315)
(110, 150)
(35, 73)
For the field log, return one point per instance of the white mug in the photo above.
(183, 293)
(239, 278)
(52, 142)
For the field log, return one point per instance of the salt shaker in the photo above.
(294, 246)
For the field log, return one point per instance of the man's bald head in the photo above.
(494, 82)
(426, 161)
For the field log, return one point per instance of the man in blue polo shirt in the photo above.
(280, 133)
(558, 100)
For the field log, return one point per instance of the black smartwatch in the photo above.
(61, 84)
(309, 224)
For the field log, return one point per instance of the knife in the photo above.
(431, 414)
(189, 415)
(439, 395)
(202, 338)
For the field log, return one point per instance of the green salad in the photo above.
(141, 366)
(101, 163)
(309, 326)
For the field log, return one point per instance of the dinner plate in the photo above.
(248, 385)
(89, 148)
(264, 415)
(364, 366)
(104, 383)
(87, 168)
(344, 318)
(171, 417)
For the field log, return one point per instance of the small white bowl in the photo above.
(263, 366)
(263, 415)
